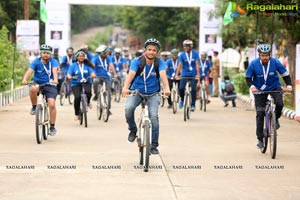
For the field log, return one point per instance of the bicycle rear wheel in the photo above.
(174, 101)
(70, 97)
(84, 110)
(273, 136)
(39, 124)
(146, 150)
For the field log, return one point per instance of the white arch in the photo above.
(58, 31)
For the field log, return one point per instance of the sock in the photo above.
(52, 125)
(34, 106)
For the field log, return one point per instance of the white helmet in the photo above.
(118, 50)
(101, 49)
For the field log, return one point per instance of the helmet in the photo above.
(153, 41)
(188, 43)
(203, 54)
(84, 46)
(174, 52)
(45, 48)
(264, 48)
(164, 53)
(118, 50)
(80, 51)
(102, 49)
(125, 49)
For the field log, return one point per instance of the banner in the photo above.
(297, 82)
(28, 32)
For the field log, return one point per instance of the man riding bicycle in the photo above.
(66, 62)
(103, 64)
(120, 63)
(205, 69)
(188, 66)
(45, 73)
(147, 82)
(83, 69)
(261, 75)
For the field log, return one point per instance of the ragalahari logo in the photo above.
(233, 10)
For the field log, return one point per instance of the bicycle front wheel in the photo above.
(99, 108)
(106, 114)
(84, 110)
(204, 99)
(147, 143)
(70, 97)
(265, 139)
(117, 92)
(273, 136)
(46, 125)
(201, 99)
(39, 124)
(63, 94)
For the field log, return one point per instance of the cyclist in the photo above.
(205, 68)
(262, 75)
(188, 66)
(165, 55)
(45, 72)
(83, 69)
(147, 82)
(66, 62)
(171, 71)
(103, 64)
(119, 62)
(89, 54)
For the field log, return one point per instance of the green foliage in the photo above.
(83, 17)
(240, 83)
(169, 25)
(7, 62)
(100, 38)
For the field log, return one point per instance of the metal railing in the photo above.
(9, 97)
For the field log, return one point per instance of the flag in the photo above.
(43, 11)
(227, 17)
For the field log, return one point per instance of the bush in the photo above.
(240, 83)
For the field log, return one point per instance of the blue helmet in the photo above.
(264, 48)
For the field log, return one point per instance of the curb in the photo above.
(285, 112)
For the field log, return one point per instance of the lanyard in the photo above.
(189, 59)
(105, 67)
(69, 60)
(48, 71)
(174, 64)
(265, 72)
(146, 77)
(117, 61)
(203, 67)
(81, 70)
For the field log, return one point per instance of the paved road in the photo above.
(194, 159)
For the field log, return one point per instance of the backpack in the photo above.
(229, 88)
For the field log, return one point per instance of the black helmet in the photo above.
(45, 48)
(152, 41)
(264, 48)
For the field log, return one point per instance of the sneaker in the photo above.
(277, 124)
(193, 108)
(180, 105)
(207, 101)
(33, 111)
(52, 131)
(260, 144)
(131, 136)
(226, 105)
(154, 150)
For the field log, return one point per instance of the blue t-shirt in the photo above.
(89, 55)
(65, 64)
(206, 65)
(102, 66)
(171, 67)
(43, 72)
(187, 69)
(118, 63)
(256, 72)
(147, 82)
(74, 70)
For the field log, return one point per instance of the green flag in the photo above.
(43, 11)
(227, 18)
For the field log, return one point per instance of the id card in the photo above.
(263, 87)
(191, 68)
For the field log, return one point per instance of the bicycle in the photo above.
(66, 92)
(174, 95)
(187, 100)
(83, 103)
(270, 131)
(42, 118)
(103, 100)
(202, 95)
(144, 136)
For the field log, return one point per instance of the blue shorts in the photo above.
(49, 91)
